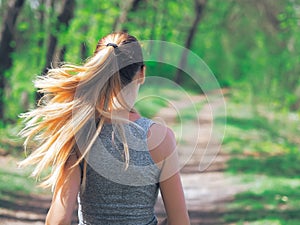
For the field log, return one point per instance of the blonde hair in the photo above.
(72, 97)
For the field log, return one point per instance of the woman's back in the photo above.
(112, 194)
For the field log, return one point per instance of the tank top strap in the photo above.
(145, 123)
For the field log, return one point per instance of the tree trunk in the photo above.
(63, 20)
(83, 46)
(6, 47)
(83, 51)
(41, 11)
(199, 6)
(135, 5)
(62, 53)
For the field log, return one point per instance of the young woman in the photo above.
(100, 150)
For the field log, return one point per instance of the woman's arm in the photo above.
(65, 196)
(162, 145)
(173, 197)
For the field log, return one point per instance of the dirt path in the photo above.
(206, 191)
(19, 209)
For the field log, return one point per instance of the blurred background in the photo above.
(251, 46)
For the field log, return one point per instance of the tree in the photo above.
(199, 6)
(7, 46)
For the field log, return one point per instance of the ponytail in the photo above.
(73, 98)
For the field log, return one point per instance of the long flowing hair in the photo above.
(74, 96)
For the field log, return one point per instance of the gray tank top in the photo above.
(113, 195)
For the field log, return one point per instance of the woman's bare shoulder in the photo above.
(161, 142)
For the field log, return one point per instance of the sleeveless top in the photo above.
(114, 195)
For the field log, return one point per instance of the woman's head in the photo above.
(116, 63)
(127, 51)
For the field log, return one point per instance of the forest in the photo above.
(248, 44)
(251, 47)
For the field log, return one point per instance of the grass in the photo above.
(264, 150)
(15, 180)
(286, 165)
(269, 200)
(9, 141)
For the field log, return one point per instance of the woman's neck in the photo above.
(124, 114)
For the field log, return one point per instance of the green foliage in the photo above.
(253, 46)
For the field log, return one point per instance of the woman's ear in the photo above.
(142, 74)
